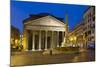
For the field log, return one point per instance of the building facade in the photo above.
(42, 32)
(76, 37)
(15, 36)
(83, 35)
(89, 26)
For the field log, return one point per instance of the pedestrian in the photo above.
(50, 52)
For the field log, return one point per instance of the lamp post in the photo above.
(73, 40)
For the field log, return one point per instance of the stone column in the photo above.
(57, 38)
(33, 42)
(40, 40)
(52, 39)
(45, 40)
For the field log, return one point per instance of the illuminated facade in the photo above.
(83, 34)
(76, 37)
(89, 25)
(15, 36)
(42, 32)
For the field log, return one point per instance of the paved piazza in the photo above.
(36, 58)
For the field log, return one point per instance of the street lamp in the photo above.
(73, 40)
(16, 41)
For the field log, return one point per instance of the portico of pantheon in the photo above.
(43, 32)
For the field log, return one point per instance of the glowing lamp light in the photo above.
(74, 37)
(71, 39)
(16, 41)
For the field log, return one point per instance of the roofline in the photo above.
(45, 16)
(87, 10)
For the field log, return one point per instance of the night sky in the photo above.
(21, 10)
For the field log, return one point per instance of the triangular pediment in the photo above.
(46, 21)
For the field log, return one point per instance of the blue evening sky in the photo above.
(21, 10)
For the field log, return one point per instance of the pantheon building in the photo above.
(43, 32)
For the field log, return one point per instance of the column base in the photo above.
(58, 46)
(45, 49)
(33, 49)
(39, 49)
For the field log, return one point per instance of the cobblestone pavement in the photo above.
(37, 58)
